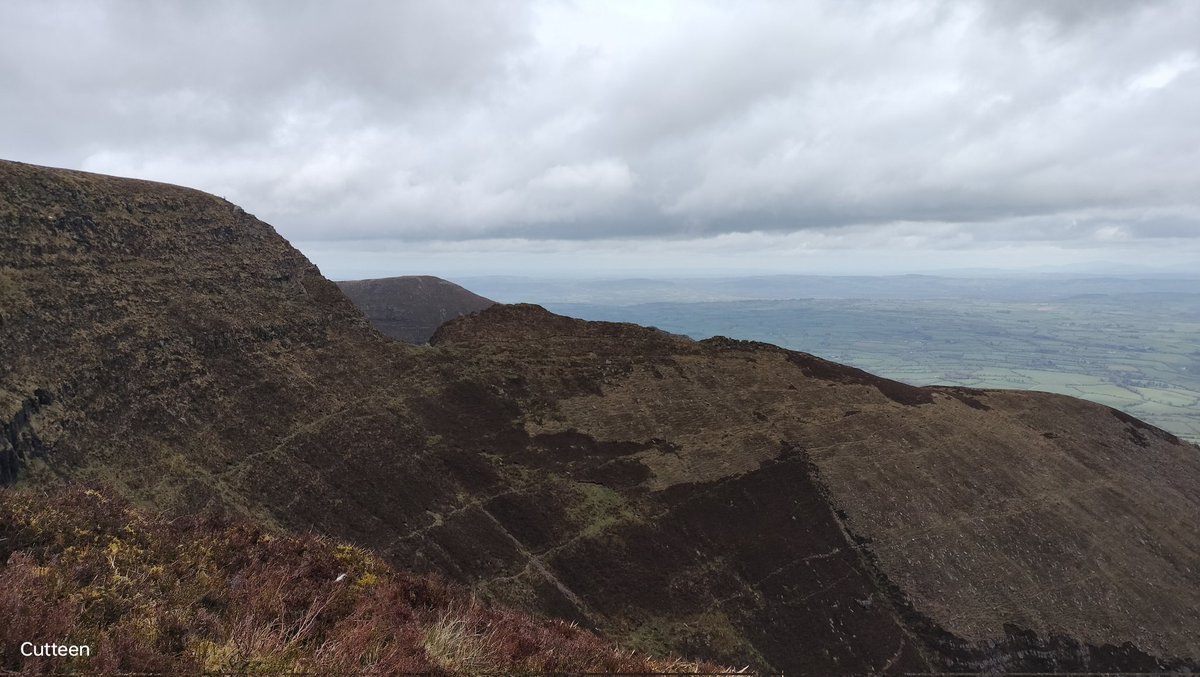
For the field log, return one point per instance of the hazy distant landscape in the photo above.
(1133, 344)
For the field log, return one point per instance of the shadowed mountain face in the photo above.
(723, 499)
(411, 308)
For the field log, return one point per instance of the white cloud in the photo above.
(1162, 74)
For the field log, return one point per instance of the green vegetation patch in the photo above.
(712, 631)
(599, 509)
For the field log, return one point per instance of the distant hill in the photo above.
(410, 308)
(722, 500)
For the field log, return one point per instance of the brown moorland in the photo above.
(723, 500)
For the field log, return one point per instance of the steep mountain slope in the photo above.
(410, 308)
(154, 327)
(722, 499)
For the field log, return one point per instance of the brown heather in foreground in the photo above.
(210, 594)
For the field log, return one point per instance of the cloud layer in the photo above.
(969, 124)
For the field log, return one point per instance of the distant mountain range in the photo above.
(789, 287)
(721, 500)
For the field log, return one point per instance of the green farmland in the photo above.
(1139, 353)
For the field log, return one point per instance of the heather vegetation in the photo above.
(207, 593)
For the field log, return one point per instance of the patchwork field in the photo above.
(1139, 353)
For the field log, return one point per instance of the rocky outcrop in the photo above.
(19, 441)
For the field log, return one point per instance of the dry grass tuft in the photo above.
(451, 644)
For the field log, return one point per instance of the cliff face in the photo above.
(411, 308)
(723, 499)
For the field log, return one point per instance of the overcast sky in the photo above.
(607, 138)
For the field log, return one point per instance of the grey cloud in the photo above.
(1067, 15)
(440, 120)
(127, 74)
